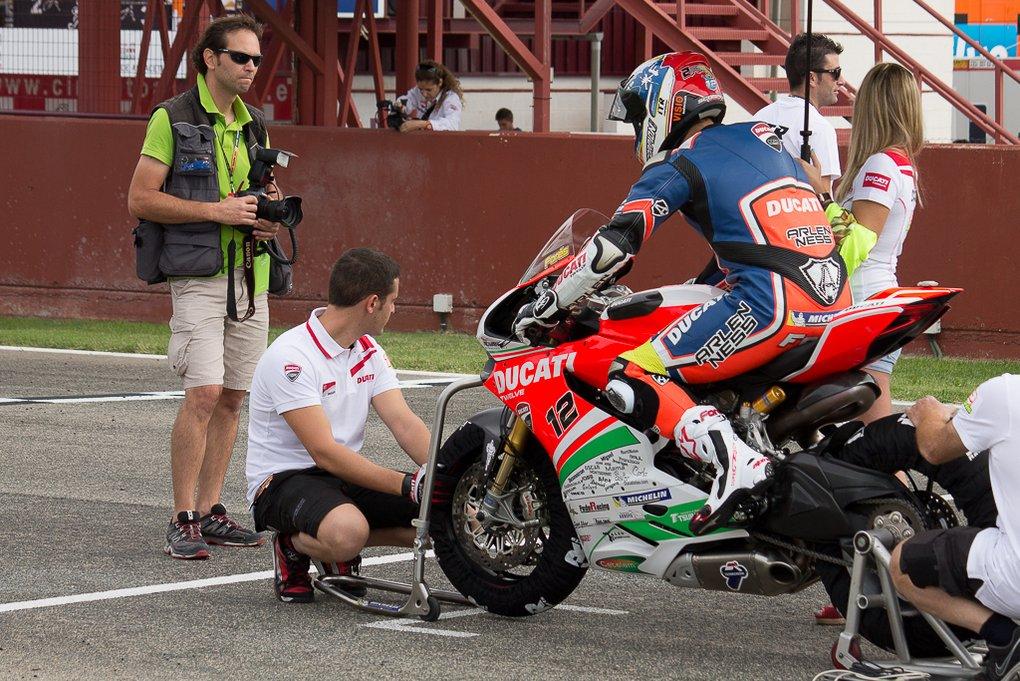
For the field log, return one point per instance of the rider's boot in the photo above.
(741, 472)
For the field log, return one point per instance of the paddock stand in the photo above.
(871, 556)
(421, 600)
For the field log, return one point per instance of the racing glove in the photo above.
(855, 240)
(543, 313)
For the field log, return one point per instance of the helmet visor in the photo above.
(627, 107)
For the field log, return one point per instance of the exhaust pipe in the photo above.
(750, 572)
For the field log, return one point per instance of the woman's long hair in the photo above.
(434, 72)
(887, 114)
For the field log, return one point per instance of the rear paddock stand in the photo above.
(421, 600)
(871, 552)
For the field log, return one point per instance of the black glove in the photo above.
(543, 313)
(442, 485)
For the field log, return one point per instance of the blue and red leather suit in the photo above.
(776, 257)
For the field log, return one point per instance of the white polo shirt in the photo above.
(990, 419)
(305, 367)
(788, 112)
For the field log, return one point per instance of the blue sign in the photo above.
(999, 39)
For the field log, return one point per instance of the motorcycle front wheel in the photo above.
(529, 560)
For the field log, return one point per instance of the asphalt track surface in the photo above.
(84, 502)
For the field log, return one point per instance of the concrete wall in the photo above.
(463, 213)
(979, 88)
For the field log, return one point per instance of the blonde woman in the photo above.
(435, 102)
(880, 189)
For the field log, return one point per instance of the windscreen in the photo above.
(565, 242)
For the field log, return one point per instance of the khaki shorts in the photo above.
(206, 346)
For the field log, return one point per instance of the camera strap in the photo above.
(247, 249)
(248, 265)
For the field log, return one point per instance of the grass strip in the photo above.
(950, 379)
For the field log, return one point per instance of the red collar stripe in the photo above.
(308, 325)
(357, 367)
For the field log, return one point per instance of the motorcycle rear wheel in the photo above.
(507, 571)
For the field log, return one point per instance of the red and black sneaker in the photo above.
(219, 528)
(291, 582)
(184, 538)
(347, 568)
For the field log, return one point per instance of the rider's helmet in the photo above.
(664, 97)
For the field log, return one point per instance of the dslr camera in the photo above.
(389, 115)
(286, 211)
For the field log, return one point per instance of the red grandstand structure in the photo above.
(313, 52)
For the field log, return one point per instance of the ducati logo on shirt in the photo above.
(329, 388)
(823, 276)
(292, 371)
(877, 181)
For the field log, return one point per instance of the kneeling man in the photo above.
(307, 480)
(967, 575)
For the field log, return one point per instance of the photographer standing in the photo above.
(435, 102)
(194, 160)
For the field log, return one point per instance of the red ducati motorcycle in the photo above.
(557, 480)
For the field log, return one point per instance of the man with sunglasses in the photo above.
(826, 82)
(194, 161)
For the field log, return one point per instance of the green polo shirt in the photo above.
(159, 144)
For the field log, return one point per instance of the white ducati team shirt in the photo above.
(788, 112)
(990, 419)
(302, 368)
(888, 179)
(445, 115)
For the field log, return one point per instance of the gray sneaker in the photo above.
(219, 528)
(184, 538)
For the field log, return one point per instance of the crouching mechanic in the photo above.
(309, 404)
(970, 576)
(775, 257)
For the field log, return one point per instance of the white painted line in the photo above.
(177, 394)
(591, 610)
(410, 625)
(415, 627)
(173, 586)
(95, 353)
(138, 355)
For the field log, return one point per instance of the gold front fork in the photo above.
(515, 442)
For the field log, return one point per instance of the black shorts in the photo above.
(298, 500)
(939, 558)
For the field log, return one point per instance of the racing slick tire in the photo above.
(508, 571)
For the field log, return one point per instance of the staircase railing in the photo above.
(1001, 68)
(991, 126)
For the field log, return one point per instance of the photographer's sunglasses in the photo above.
(241, 58)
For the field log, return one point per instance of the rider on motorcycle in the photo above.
(776, 258)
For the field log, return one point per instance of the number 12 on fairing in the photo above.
(562, 414)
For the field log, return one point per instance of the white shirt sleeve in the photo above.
(984, 420)
(290, 381)
(878, 180)
(828, 151)
(446, 115)
(386, 377)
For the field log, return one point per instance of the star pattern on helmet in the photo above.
(646, 80)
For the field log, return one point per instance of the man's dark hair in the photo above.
(360, 273)
(821, 46)
(215, 36)
(504, 114)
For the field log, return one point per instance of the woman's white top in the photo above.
(887, 178)
(444, 116)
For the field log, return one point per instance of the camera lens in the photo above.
(285, 211)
